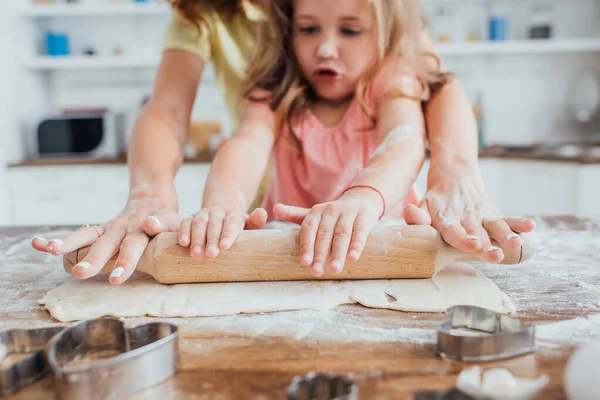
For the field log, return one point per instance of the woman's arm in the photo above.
(456, 203)
(154, 156)
(162, 129)
(234, 178)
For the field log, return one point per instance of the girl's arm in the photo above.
(234, 178)
(334, 231)
(456, 203)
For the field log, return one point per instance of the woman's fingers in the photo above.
(82, 237)
(130, 252)
(521, 225)
(162, 220)
(414, 215)
(500, 231)
(342, 234)
(100, 253)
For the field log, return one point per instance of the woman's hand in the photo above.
(147, 213)
(213, 229)
(334, 231)
(457, 206)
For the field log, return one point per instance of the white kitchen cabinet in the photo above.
(588, 196)
(68, 194)
(539, 187)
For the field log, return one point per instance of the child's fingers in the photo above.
(130, 252)
(323, 241)
(341, 242)
(198, 240)
(360, 233)
(213, 232)
(185, 232)
(308, 235)
(232, 226)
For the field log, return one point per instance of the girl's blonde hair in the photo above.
(274, 67)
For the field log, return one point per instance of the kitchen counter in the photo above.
(572, 153)
(389, 354)
(206, 157)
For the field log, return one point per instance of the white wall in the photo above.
(9, 132)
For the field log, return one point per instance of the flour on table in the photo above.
(141, 295)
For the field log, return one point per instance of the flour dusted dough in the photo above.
(141, 295)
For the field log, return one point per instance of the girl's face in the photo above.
(335, 42)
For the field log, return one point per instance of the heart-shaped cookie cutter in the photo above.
(476, 334)
(101, 359)
(32, 367)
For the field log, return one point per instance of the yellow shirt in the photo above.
(225, 44)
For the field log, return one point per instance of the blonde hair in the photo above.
(274, 68)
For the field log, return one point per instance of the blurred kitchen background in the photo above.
(531, 69)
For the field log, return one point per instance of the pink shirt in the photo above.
(330, 161)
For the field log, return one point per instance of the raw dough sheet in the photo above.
(141, 295)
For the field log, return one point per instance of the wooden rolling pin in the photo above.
(274, 255)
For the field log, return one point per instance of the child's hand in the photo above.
(457, 206)
(215, 228)
(336, 230)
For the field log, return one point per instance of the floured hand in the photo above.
(337, 230)
(148, 212)
(457, 206)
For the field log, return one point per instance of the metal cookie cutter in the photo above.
(315, 386)
(477, 334)
(101, 359)
(29, 369)
(448, 394)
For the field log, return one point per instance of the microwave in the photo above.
(90, 135)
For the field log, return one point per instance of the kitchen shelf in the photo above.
(108, 9)
(444, 49)
(538, 46)
(91, 62)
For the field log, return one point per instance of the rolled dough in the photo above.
(141, 295)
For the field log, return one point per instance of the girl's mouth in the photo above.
(326, 74)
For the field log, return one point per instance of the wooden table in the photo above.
(389, 354)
